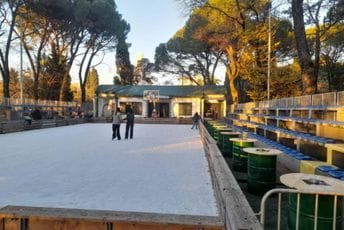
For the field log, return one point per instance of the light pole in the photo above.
(21, 68)
(269, 51)
(21, 74)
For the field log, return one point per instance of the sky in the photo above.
(152, 22)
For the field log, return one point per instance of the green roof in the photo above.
(172, 91)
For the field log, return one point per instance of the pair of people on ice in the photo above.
(116, 124)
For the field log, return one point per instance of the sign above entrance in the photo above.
(151, 95)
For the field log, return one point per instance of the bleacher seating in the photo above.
(290, 133)
(306, 124)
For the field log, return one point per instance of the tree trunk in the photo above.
(232, 73)
(83, 94)
(234, 91)
(4, 53)
(317, 54)
(6, 82)
(309, 80)
(65, 82)
(35, 88)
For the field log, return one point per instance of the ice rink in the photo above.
(162, 170)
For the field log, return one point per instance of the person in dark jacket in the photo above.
(129, 128)
(195, 120)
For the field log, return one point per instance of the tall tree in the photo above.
(91, 84)
(321, 24)
(309, 80)
(186, 55)
(34, 34)
(68, 34)
(143, 71)
(9, 10)
(235, 27)
(14, 84)
(104, 26)
(54, 68)
(332, 56)
(124, 67)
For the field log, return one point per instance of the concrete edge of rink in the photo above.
(232, 203)
(63, 215)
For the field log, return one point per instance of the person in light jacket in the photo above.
(116, 124)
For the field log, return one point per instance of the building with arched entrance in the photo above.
(162, 101)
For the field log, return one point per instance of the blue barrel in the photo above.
(324, 169)
(302, 157)
(336, 174)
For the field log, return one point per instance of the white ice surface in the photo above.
(162, 170)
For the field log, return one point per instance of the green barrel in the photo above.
(207, 123)
(219, 141)
(210, 127)
(307, 210)
(226, 145)
(213, 126)
(239, 162)
(261, 173)
(217, 131)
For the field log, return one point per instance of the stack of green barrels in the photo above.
(239, 156)
(217, 129)
(225, 144)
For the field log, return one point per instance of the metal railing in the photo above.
(340, 98)
(32, 102)
(298, 193)
(307, 101)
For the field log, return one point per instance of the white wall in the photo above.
(196, 105)
(174, 109)
(136, 99)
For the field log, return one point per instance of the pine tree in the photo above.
(124, 67)
(54, 68)
(91, 84)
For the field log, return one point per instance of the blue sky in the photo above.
(151, 23)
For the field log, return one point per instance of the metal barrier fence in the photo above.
(315, 100)
(340, 98)
(32, 102)
(298, 193)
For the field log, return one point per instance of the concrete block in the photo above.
(310, 166)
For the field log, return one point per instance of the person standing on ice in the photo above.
(130, 123)
(195, 120)
(116, 123)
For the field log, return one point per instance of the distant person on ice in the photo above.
(130, 123)
(195, 120)
(116, 123)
